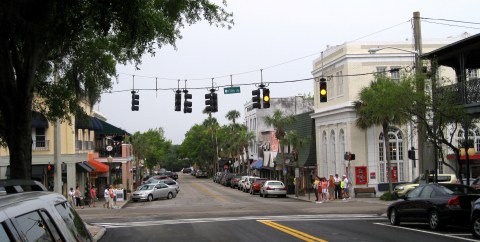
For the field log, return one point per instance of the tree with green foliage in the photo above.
(279, 123)
(232, 115)
(197, 146)
(385, 102)
(55, 53)
(244, 138)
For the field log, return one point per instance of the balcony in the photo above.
(40, 145)
(115, 152)
(472, 89)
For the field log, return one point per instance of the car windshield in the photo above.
(251, 179)
(146, 187)
(459, 189)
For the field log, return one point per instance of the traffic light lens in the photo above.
(266, 98)
(323, 92)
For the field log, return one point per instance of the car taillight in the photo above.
(269, 188)
(454, 202)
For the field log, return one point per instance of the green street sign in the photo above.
(230, 90)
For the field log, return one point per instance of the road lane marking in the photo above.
(427, 232)
(312, 217)
(205, 190)
(293, 232)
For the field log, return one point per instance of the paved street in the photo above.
(207, 211)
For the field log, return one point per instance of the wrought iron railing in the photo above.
(472, 87)
(40, 145)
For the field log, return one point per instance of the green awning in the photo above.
(109, 129)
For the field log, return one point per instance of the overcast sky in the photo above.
(282, 38)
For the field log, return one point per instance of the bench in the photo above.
(366, 190)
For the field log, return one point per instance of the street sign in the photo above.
(230, 90)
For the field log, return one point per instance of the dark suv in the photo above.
(30, 213)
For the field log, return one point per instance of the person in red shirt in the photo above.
(93, 196)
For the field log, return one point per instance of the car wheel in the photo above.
(393, 215)
(150, 198)
(434, 220)
(170, 195)
(475, 226)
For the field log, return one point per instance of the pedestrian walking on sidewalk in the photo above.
(93, 196)
(315, 187)
(111, 195)
(71, 197)
(345, 187)
(324, 184)
(331, 188)
(78, 197)
(106, 195)
(338, 191)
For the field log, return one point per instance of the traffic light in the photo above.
(50, 168)
(187, 105)
(214, 102)
(256, 98)
(349, 156)
(323, 90)
(135, 101)
(411, 154)
(266, 98)
(178, 100)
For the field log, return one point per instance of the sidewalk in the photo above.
(97, 231)
(364, 198)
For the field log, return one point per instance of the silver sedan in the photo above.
(272, 187)
(149, 192)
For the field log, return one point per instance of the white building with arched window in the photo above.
(348, 68)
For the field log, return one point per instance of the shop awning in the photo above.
(38, 120)
(99, 166)
(90, 123)
(257, 164)
(83, 166)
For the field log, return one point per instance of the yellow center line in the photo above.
(208, 192)
(293, 232)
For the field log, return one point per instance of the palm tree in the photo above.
(279, 123)
(244, 139)
(212, 125)
(385, 102)
(232, 115)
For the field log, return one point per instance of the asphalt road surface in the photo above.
(207, 211)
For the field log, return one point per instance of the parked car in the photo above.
(170, 182)
(217, 176)
(38, 215)
(436, 204)
(476, 183)
(227, 179)
(235, 181)
(272, 187)
(403, 189)
(150, 192)
(201, 173)
(248, 183)
(475, 219)
(257, 185)
(187, 170)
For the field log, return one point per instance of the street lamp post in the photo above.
(109, 160)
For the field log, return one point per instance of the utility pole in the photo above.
(420, 86)
(57, 185)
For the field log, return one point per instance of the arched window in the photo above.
(324, 163)
(333, 155)
(395, 154)
(342, 148)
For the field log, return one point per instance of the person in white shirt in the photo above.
(346, 194)
(71, 194)
(106, 195)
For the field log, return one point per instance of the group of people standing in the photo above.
(331, 188)
(77, 200)
(110, 197)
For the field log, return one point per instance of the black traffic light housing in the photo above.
(135, 101)
(349, 156)
(323, 90)
(256, 98)
(211, 100)
(411, 154)
(266, 98)
(187, 105)
(178, 101)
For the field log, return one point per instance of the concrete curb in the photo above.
(98, 231)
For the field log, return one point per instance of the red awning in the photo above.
(463, 157)
(99, 166)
